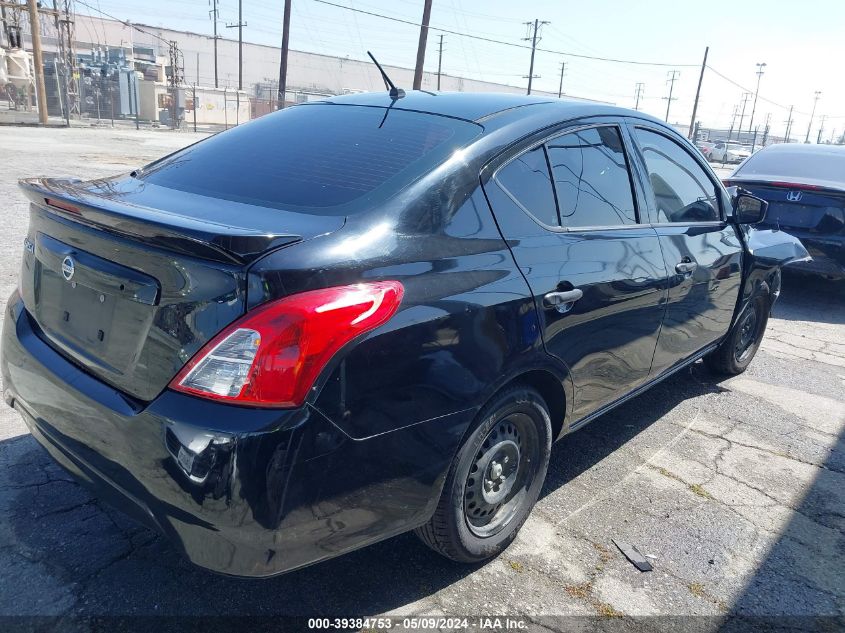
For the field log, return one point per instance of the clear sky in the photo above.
(802, 44)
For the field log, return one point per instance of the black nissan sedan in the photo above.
(805, 188)
(369, 315)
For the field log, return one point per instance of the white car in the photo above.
(723, 152)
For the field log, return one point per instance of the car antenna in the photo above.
(395, 93)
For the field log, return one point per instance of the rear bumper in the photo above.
(239, 491)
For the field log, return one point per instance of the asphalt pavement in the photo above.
(734, 489)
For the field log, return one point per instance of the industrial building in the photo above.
(126, 70)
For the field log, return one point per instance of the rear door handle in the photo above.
(685, 268)
(563, 300)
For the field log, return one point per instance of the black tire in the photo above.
(736, 352)
(515, 428)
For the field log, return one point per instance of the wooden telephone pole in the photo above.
(38, 62)
(418, 69)
(283, 62)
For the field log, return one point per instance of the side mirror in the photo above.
(748, 209)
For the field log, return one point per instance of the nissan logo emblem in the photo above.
(68, 268)
(793, 196)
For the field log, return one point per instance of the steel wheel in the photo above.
(500, 475)
(746, 335)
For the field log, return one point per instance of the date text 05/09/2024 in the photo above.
(492, 623)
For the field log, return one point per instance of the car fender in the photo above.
(766, 253)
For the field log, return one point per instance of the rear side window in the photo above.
(591, 178)
(318, 158)
(526, 178)
(683, 192)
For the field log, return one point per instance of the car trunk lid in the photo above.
(129, 280)
(799, 207)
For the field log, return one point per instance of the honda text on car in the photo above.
(369, 315)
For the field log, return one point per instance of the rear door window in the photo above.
(591, 178)
(318, 158)
(683, 192)
(527, 180)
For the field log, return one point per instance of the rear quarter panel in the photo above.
(467, 320)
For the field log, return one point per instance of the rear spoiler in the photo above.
(174, 232)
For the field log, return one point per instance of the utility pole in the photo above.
(673, 77)
(698, 92)
(640, 87)
(4, 35)
(788, 126)
(418, 69)
(67, 48)
(733, 122)
(283, 62)
(38, 62)
(61, 57)
(560, 87)
(534, 36)
(213, 14)
(821, 129)
(240, 25)
(745, 97)
(766, 129)
(176, 79)
(760, 72)
(812, 114)
(439, 61)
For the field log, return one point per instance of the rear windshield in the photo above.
(320, 158)
(822, 165)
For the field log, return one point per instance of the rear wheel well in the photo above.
(550, 388)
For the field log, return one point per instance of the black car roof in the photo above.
(473, 106)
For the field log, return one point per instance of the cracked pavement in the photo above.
(734, 488)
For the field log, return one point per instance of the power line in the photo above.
(124, 22)
(744, 89)
(502, 42)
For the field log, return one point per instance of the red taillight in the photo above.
(271, 356)
(64, 206)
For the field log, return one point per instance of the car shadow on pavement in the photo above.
(811, 298)
(586, 447)
(71, 554)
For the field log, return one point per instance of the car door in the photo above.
(701, 250)
(567, 207)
